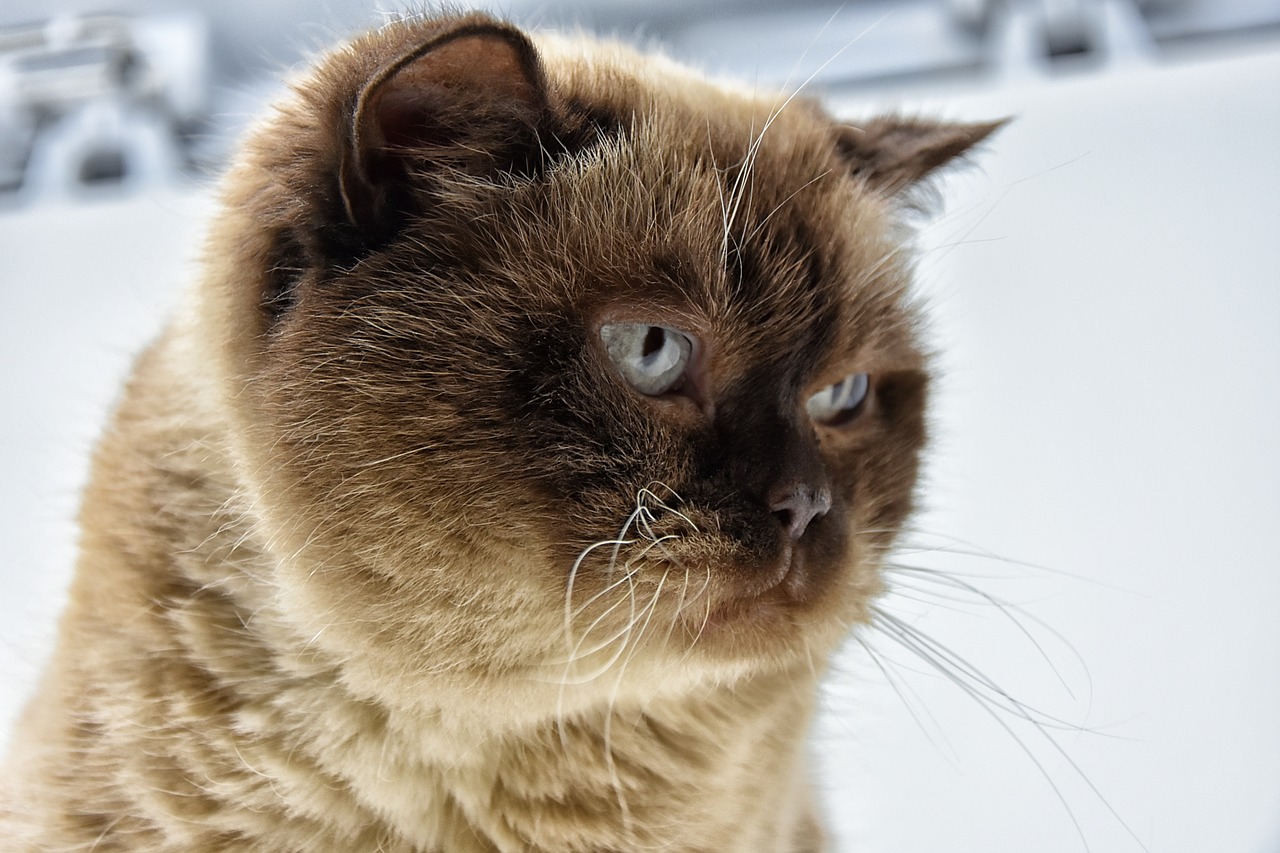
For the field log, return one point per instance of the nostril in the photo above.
(797, 507)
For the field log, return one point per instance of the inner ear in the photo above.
(471, 99)
(893, 153)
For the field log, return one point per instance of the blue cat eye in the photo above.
(838, 403)
(652, 359)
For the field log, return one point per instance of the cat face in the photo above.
(557, 356)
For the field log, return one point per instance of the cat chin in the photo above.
(803, 612)
(764, 627)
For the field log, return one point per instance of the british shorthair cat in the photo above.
(533, 437)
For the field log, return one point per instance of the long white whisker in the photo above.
(649, 546)
(974, 677)
(610, 761)
(1007, 609)
(942, 660)
(754, 148)
(724, 208)
(902, 688)
(573, 575)
(765, 221)
(576, 653)
(968, 549)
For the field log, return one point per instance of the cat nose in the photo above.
(796, 506)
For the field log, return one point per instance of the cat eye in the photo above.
(651, 358)
(837, 404)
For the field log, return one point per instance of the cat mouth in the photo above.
(766, 595)
(790, 563)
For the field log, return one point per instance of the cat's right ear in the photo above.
(471, 99)
(896, 154)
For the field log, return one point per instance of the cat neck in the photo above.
(722, 771)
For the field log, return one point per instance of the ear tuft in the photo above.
(893, 153)
(471, 99)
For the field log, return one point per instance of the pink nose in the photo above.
(797, 506)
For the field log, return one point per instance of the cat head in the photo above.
(549, 358)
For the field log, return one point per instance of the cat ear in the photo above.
(471, 99)
(893, 153)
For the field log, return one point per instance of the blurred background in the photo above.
(1087, 650)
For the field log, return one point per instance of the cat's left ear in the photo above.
(471, 99)
(895, 153)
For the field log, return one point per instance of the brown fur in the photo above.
(337, 588)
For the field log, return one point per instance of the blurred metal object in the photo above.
(1180, 23)
(972, 15)
(1048, 36)
(1126, 37)
(868, 43)
(1069, 26)
(920, 43)
(99, 99)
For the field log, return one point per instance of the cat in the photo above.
(532, 438)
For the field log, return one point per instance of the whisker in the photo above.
(906, 642)
(1010, 611)
(680, 603)
(622, 643)
(573, 575)
(901, 688)
(969, 549)
(765, 221)
(754, 148)
(629, 573)
(974, 677)
(610, 761)
(724, 209)
(971, 682)
(623, 633)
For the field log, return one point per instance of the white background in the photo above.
(1106, 289)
